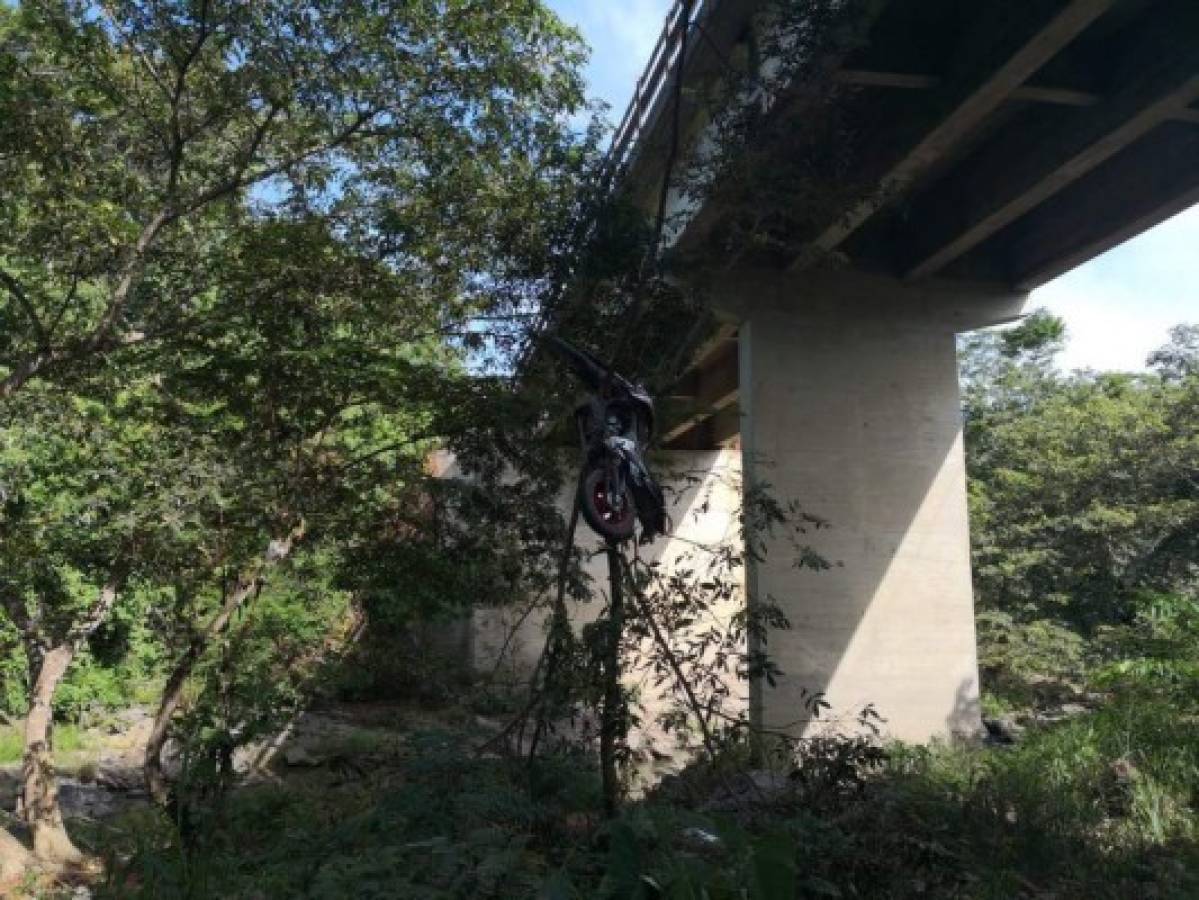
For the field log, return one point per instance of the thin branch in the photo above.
(128, 277)
(547, 659)
(560, 618)
(668, 652)
(242, 180)
(395, 445)
(151, 69)
(18, 292)
(68, 299)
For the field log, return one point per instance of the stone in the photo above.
(702, 840)
(756, 787)
(298, 756)
(488, 724)
(1003, 729)
(1124, 771)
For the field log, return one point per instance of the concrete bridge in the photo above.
(1009, 143)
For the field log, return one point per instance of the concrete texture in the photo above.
(849, 399)
(703, 494)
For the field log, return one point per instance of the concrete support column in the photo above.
(850, 405)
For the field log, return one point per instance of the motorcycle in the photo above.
(615, 424)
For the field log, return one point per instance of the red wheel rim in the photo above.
(599, 498)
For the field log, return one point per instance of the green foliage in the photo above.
(438, 822)
(12, 744)
(1083, 488)
(1157, 654)
(68, 738)
(137, 137)
(239, 247)
(1098, 806)
(116, 668)
(273, 661)
(1030, 663)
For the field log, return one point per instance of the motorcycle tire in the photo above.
(597, 510)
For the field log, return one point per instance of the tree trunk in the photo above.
(48, 664)
(50, 840)
(612, 719)
(172, 692)
(14, 860)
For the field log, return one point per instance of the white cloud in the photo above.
(1120, 306)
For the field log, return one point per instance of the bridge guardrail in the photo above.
(650, 90)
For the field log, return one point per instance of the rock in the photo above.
(131, 736)
(700, 839)
(756, 787)
(1124, 771)
(133, 715)
(95, 801)
(1003, 729)
(488, 724)
(172, 759)
(119, 778)
(298, 756)
(125, 720)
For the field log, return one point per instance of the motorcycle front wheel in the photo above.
(601, 513)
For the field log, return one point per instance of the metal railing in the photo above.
(651, 90)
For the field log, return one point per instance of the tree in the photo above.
(239, 240)
(134, 131)
(1179, 359)
(1083, 489)
(97, 497)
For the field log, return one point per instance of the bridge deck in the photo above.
(1004, 143)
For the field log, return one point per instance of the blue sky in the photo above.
(1117, 307)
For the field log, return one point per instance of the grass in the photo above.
(1101, 806)
(68, 739)
(1105, 805)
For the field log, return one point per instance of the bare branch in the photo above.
(131, 269)
(26, 369)
(67, 300)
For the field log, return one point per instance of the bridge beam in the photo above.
(849, 404)
(985, 97)
(965, 211)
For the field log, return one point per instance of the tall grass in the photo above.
(68, 738)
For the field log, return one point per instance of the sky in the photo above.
(1118, 307)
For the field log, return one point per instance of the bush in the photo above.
(1029, 663)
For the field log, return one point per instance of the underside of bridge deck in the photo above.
(1005, 143)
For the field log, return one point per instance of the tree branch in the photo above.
(242, 180)
(18, 292)
(100, 609)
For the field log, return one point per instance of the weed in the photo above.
(67, 739)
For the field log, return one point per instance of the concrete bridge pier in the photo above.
(850, 405)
